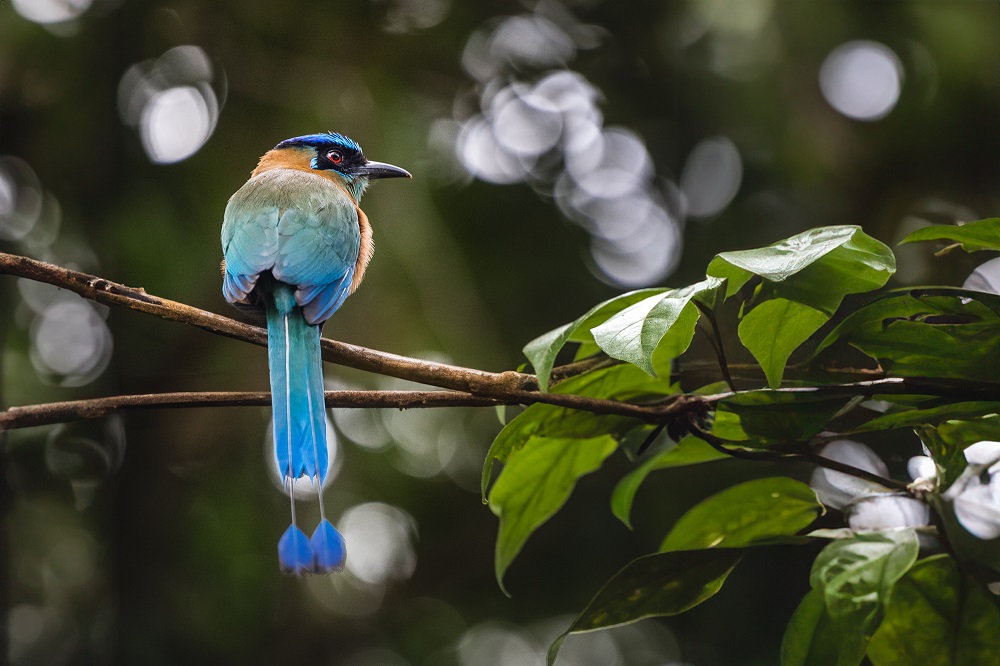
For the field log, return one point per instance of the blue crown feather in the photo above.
(324, 140)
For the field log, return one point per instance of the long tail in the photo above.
(300, 429)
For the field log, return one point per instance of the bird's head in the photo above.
(335, 156)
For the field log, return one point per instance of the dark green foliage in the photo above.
(864, 583)
(654, 585)
(971, 237)
(937, 616)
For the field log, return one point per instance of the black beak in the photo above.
(375, 170)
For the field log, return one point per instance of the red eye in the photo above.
(335, 156)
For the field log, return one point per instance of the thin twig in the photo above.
(563, 372)
(720, 350)
(650, 438)
(725, 446)
(961, 390)
(657, 412)
(61, 412)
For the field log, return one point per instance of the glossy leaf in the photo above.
(688, 451)
(633, 334)
(971, 236)
(816, 268)
(675, 341)
(855, 574)
(937, 617)
(780, 260)
(535, 483)
(815, 638)
(652, 586)
(745, 513)
(542, 351)
(774, 329)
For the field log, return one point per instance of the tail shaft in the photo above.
(296, 388)
(299, 418)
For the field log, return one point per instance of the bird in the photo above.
(295, 244)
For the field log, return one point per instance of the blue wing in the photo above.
(250, 246)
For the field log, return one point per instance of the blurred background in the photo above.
(563, 151)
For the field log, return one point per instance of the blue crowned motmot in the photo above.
(296, 244)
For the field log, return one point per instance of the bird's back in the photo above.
(302, 227)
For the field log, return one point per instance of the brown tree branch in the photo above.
(469, 387)
(442, 375)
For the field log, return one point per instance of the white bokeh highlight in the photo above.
(862, 80)
(70, 342)
(986, 277)
(48, 12)
(975, 495)
(172, 103)
(711, 177)
(886, 512)
(538, 122)
(837, 489)
(379, 542)
(176, 123)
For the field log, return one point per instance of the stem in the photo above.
(95, 408)
(674, 406)
(773, 456)
(720, 350)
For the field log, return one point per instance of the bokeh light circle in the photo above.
(862, 79)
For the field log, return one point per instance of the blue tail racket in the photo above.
(296, 244)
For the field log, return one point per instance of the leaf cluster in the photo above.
(818, 297)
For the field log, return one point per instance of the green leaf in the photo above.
(815, 638)
(652, 586)
(586, 350)
(816, 268)
(542, 351)
(688, 451)
(857, 574)
(747, 512)
(851, 579)
(972, 236)
(535, 483)
(727, 426)
(916, 304)
(919, 349)
(937, 617)
(781, 260)
(675, 341)
(774, 329)
(633, 334)
(620, 382)
(929, 416)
